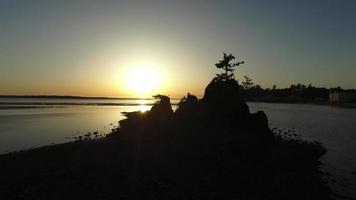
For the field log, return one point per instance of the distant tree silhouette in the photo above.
(247, 84)
(293, 93)
(227, 66)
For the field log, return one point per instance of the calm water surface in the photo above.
(334, 127)
(32, 126)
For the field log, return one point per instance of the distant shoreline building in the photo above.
(342, 97)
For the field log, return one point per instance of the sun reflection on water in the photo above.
(143, 105)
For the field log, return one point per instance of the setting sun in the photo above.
(142, 80)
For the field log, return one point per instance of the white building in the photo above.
(341, 97)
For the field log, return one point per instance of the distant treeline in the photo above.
(295, 93)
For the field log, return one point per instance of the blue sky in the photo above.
(86, 47)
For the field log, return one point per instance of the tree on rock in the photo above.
(228, 67)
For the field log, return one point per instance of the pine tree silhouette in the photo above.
(227, 66)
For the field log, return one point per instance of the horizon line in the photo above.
(75, 97)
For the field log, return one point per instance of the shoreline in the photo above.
(69, 97)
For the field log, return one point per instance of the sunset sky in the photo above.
(105, 48)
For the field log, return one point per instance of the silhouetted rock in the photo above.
(222, 101)
(162, 108)
(259, 118)
(187, 107)
(132, 119)
(258, 123)
(158, 118)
